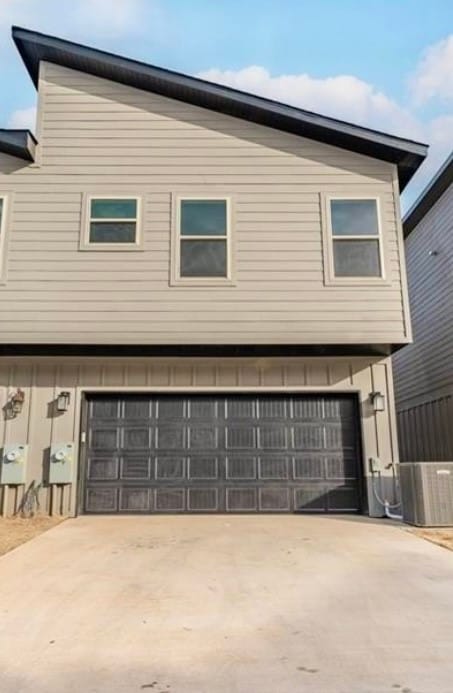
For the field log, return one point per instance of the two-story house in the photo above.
(424, 370)
(201, 292)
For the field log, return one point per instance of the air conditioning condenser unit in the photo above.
(427, 493)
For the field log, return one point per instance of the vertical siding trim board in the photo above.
(40, 103)
(82, 444)
(7, 196)
(402, 258)
(375, 419)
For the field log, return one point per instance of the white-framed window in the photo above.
(201, 239)
(353, 239)
(111, 222)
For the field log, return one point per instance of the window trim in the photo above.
(86, 244)
(175, 277)
(330, 279)
(4, 226)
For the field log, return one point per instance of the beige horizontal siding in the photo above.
(117, 333)
(281, 288)
(79, 304)
(100, 137)
(116, 183)
(133, 291)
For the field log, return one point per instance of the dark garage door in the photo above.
(225, 453)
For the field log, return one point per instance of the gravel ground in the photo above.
(17, 530)
(443, 537)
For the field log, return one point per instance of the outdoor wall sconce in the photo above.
(377, 401)
(17, 402)
(63, 401)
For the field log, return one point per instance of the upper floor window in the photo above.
(111, 223)
(354, 238)
(202, 238)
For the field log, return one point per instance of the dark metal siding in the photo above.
(429, 196)
(425, 431)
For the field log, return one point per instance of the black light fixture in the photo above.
(17, 401)
(377, 401)
(63, 401)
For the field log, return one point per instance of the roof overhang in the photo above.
(35, 47)
(19, 143)
(199, 350)
(429, 196)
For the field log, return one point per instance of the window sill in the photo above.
(117, 248)
(202, 281)
(357, 281)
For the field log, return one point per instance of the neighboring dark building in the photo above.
(423, 370)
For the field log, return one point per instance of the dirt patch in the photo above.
(17, 530)
(442, 537)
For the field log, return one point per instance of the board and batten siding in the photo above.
(41, 379)
(424, 370)
(97, 136)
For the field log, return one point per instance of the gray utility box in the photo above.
(61, 463)
(427, 493)
(14, 464)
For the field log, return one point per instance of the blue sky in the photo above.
(387, 64)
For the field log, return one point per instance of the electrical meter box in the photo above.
(14, 464)
(61, 463)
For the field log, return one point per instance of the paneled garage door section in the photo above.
(231, 454)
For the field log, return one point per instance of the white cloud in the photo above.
(434, 74)
(24, 118)
(11, 8)
(348, 98)
(102, 18)
(441, 131)
(344, 96)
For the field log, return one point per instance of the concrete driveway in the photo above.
(226, 604)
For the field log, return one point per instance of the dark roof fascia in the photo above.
(35, 47)
(199, 350)
(429, 196)
(19, 143)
